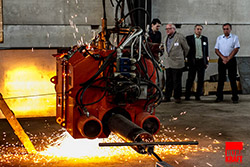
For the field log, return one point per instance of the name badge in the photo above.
(204, 43)
(176, 44)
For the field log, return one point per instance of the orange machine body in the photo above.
(78, 69)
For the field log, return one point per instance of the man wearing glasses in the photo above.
(175, 52)
(197, 60)
(226, 47)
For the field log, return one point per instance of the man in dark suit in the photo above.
(197, 61)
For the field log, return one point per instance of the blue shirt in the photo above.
(169, 41)
(227, 44)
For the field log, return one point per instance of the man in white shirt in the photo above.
(226, 47)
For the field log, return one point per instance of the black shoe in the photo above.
(197, 98)
(187, 98)
(177, 101)
(218, 100)
(235, 101)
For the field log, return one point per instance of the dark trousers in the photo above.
(173, 83)
(198, 68)
(231, 66)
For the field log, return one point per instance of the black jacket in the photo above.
(192, 50)
(154, 37)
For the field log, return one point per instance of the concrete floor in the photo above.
(212, 124)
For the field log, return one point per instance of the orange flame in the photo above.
(25, 88)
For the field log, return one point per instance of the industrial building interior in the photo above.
(66, 98)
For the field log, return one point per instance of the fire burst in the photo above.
(25, 82)
(68, 147)
(61, 149)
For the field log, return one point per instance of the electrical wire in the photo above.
(155, 63)
(92, 80)
(132, 11)
(142, 71)
(105, 88)
(117, 8)
(160, 94)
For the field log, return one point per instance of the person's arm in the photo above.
(233, 53)
(224, 59)
(236, 48)
(216, 47)
(185, 46)
(218, 53)
(206, 51)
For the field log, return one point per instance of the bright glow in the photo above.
(25, 87)
(66, 146)
(60, 149)
(86, 150)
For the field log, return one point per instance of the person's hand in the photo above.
(225, 60)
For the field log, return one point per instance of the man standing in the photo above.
(154, 33)
(175, 51)
(226, 47)
(197, 60)
(154, 38)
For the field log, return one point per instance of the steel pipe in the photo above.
(89, 127)
(148, 122)
(129, 131)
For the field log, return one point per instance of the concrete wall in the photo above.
(213, 13)
(51, 23)
(35, 24)
(1, 22)
(59, 23)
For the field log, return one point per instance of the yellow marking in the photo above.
(213, 61)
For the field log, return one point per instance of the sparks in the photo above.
(61, 147)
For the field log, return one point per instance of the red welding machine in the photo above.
(104, 87)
